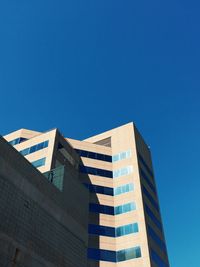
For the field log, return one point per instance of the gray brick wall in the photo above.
(36, 228)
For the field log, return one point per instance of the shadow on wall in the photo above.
(93, 217)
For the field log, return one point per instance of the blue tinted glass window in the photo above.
(108, 158)
(17, 141)
(101, 209)
(115, 158)
(102, 157)
(38, 163)
(95, 171)
(123, 171)
(34, 148)
(46, 143)
(125, 208)
(121, 156)
(118, 190)
(103, 255)
(100, 189)
(112, 210)
(118, 210)
(108, 190)
(127, 229)
(128, 254)
(101, 230)
(93, 155)
(25, 151)
(114, 256)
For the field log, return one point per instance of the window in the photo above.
(97, 208)
(100, 189)
(17, 141)
(128, 254)
(56, 176)
(123, 171)
(111, 231)
(38, 163)
(105, 173)
(109, 190)
(95, 171)
(93, 155)
(34, 148)
(121, 156)
(123, 189)
(114, 256)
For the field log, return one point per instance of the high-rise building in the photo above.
(124, 223)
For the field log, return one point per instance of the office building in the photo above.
(124, 222)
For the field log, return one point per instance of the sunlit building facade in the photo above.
(124, 222)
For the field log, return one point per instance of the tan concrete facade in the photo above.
(138, 163)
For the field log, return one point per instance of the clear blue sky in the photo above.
(88, 66)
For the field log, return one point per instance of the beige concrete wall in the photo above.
(21, 133)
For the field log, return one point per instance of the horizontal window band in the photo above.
(114, 256)
(93, 155)
(95, 171)
(110, 210)
(17, 141)
(104, 157)
(105, 173)
(34, 148)
(122, 155)
(109, 190)
(101, 230)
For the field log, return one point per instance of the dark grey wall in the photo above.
(37, 221)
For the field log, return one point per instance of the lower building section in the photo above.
(37, 229)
